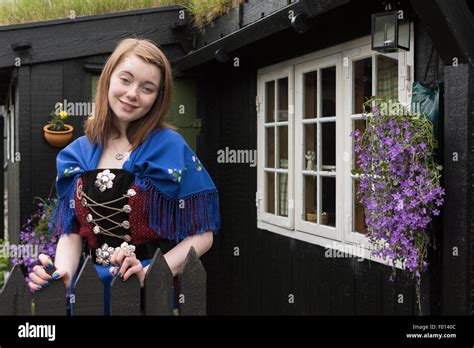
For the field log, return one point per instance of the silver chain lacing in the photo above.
(99, 229)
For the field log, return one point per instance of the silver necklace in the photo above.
(118, 156)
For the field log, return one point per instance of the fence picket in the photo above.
(125, 296)
(15, 297)
(51, 300)
(192, 280)
(88, 291)
(158, 287)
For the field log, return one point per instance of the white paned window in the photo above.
(307, 107)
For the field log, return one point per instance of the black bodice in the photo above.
(121, 183)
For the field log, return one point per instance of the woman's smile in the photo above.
(128, 107)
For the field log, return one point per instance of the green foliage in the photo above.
(57, 122)
(26, 11)
(4, 265)
(49, 205)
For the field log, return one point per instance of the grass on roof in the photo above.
(27, 11)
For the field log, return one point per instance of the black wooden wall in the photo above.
(42, 86)
(270, 267)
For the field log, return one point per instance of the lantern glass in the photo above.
(404, 34)
(384, 32)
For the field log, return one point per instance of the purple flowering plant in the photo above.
(399, 183)
(35, 233)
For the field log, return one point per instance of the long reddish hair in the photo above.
(100, 126)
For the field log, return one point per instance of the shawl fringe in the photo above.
(62, 221)
(178, 218)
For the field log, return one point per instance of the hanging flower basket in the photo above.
(58, 138)
(399, 183)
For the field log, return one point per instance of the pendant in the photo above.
(119, 156)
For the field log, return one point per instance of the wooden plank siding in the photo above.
(23, 127)
(88, 35)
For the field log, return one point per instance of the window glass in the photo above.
(328, 92)
(282, 194)
(270, 101)
(328, 201)
(270, 190)
(310, 94)
(310, 198)
(282, 110)
(362, 82)
(387, 77)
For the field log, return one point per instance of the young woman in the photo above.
(131, 184)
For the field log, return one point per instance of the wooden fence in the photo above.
(126, 297)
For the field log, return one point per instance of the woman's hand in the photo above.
(39, 278)
(126, 265)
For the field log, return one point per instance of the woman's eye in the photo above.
(124, 79)
(147, 90)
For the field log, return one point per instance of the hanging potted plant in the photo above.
(57, 133)
(399, 183)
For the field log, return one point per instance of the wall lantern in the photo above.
(390, 32)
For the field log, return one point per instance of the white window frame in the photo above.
(300, 69)
(263, 216)
(294, 226)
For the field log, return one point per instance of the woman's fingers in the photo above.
(46, 261)
(41, 273)
(117, 257)
(35, 287)
(134, 269)
(38, 281)
(59, 274)
(39, 278)
(128, 262)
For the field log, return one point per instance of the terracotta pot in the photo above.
(58, 138)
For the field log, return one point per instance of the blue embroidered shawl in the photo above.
(181, 198)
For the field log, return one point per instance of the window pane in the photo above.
(270, 190)
(270, 101)
(310, 137)
(282, 110)
(310, 200)
(270, 147)
(310, 94)
(358, 213)
(328, 201)
(328, 146)
(282, 194)
(387, 77)
(360, 125)
(283, 147)
(362, 83)
(328, 92)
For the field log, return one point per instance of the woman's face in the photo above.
(133, 89)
